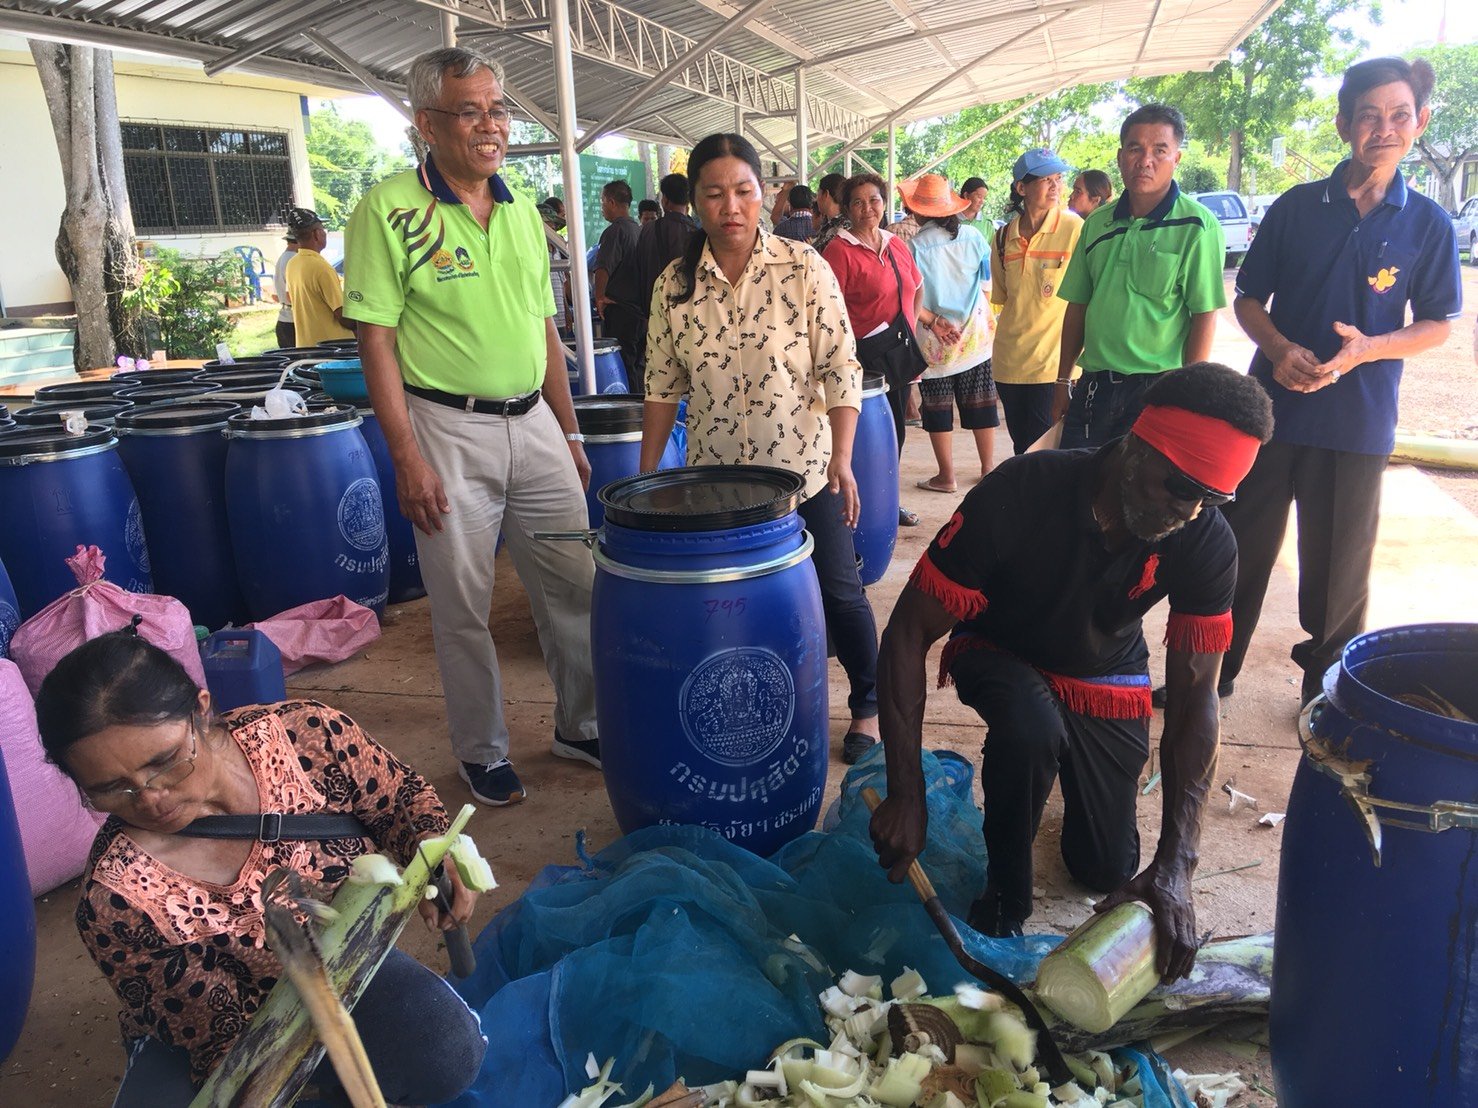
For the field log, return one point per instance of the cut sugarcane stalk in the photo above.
(1231, 981)
(302, 961)
(273, 1059)
(1102, 970)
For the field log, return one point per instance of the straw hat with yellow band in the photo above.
(931, 195)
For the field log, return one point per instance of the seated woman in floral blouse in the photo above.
(175, 922)
(751, 328)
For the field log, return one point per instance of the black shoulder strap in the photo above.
(897, 276)
(271, 827)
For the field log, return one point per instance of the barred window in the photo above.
(184, 180)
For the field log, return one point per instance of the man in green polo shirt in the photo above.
(448, 275)
(1143, 288)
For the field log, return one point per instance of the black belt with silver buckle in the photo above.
(512, 406)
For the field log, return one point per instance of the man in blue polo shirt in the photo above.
(1341, 260)
(1143, 288)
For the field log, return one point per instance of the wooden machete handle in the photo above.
(916, 875)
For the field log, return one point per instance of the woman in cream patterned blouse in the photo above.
(751, 328)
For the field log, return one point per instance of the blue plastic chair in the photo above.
(255, 264)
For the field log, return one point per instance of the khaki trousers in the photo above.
(510, 475)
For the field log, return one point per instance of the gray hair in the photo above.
(423, 83)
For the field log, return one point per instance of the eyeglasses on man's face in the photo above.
(471, 117)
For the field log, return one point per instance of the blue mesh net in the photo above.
(679, 954)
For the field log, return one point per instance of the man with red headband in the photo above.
(1044, 573)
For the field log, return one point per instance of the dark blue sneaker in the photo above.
(586, 750)
(494, 784)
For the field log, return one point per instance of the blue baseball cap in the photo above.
(1040, 162)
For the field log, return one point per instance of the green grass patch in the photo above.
(256, 331)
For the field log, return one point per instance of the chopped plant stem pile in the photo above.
(968, 1050)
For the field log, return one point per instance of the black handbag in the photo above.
(894, 351)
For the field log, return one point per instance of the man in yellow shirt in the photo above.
(317, 296)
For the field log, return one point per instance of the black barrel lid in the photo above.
(306, 373)
(342, 345)
(608, 414)
(702, 498)
(4, 412)
(256, 361)
(31, 441)
(242, 378)
(602, 345)
(97, 411)
(153, 376)
(175, 390)
(331, 415)
(872, 382)
(190, 413)
(77, 390)
(299, 353)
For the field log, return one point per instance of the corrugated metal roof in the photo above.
(866, 60)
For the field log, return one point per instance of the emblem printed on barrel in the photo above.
(736, 705)
(362, 515)
(133, 536)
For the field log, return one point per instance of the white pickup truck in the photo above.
(1231, 212)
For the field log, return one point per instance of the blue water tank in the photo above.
(875, 468)
(242, 666)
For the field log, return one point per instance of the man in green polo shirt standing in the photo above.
(448, 275)
(1143, 288)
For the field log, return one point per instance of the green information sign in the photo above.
(595, 172)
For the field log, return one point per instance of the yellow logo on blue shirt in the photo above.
(1384, 278)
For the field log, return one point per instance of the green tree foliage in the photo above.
(345, 160)
(182, 302)
(1452, 135)
(1258, 93)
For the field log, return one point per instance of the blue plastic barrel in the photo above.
(17, 924)
(168, 392)
(10, 612)
(612, 429)
(610, 370)
(242, 666)
(405, 563)
(59, 492)
(130, 378)
(176, 456)
(709, 651)
(307, 520)
(875, 466)
(1375, 975)
(101, 412)
(72, 391)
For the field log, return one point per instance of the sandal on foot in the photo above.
(907, 518)
(928, 485)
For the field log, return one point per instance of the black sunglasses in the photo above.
(1187, 489)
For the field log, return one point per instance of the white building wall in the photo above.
(150, 89)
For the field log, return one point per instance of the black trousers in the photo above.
(287, 335)
(424, 1043)
(1031, 741)
(1028, 412)
(1104, 406)
(628, 327)
(1338, 498)
(849, 619)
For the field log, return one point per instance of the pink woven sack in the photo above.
(94, 608)
(319, 631)
(56, 829)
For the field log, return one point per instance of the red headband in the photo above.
(1206, 449)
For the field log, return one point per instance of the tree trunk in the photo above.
(1234, 162)
(95, 244)
(1445, 170)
